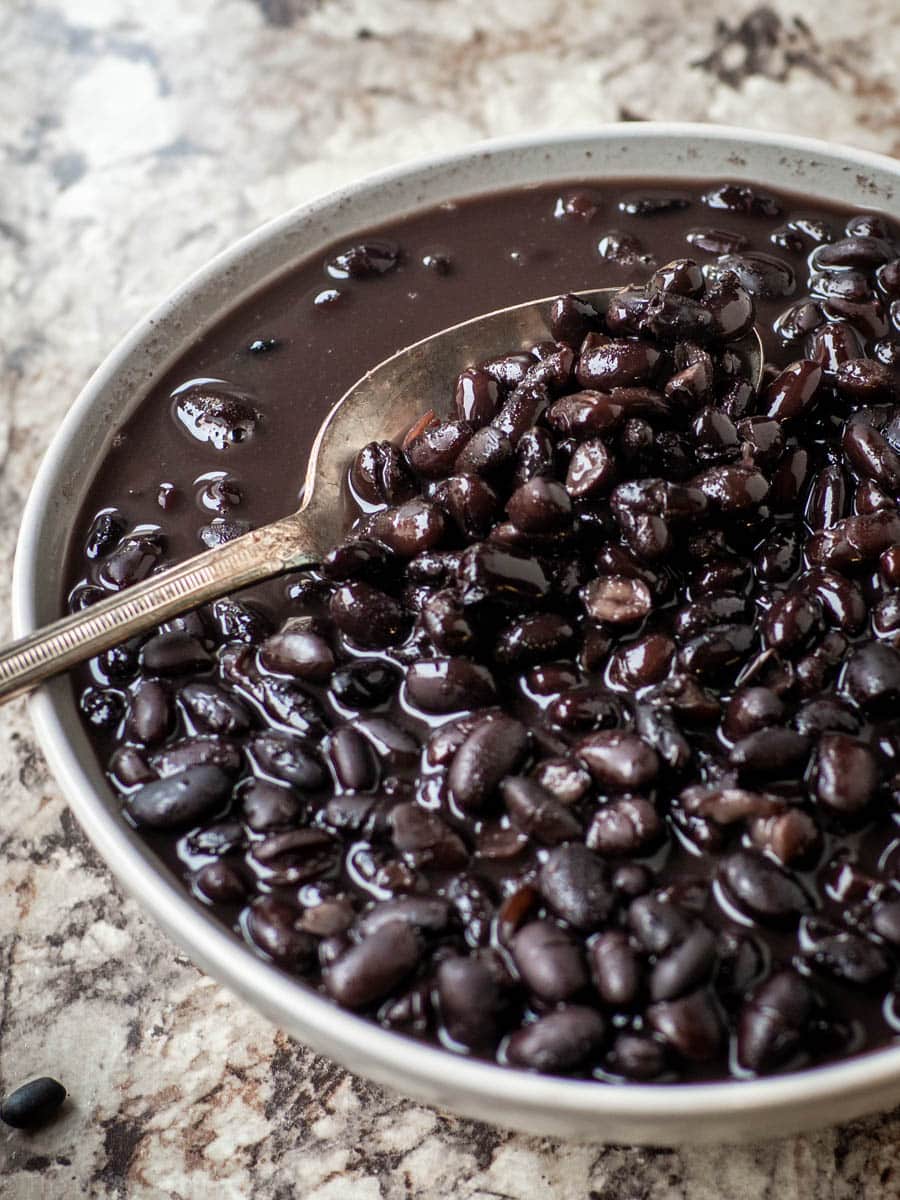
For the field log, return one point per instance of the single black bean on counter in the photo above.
(581, 752)
(33, 1104)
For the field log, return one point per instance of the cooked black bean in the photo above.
(291, 856)
(576, 885)
(549, 961)
(150, 713)
(433, 453)
(298, 652)
(469, 503)
(642, 662)
(181, 799)
(213, 710)
(857, 251)
(685, 966)
(371, 969)
(287, 759)
(659, 729)
(636, 1056)
(426, 913)
(564, 778)
(778, 752)
(174, 654)
(273, 926)
(240, 622)
(571, 319)
(477, 397)
(366, 615)
(691, 1025)
(846, 773)
(412, 528)
(364, 683)
(268, 806)
(532, 639)
(657, 923)
(131, 560)
(32, 1104)
(558, 1042)
(733, 488)
(615, 969)
(365, 260)
(793, 393)
(536, 812)
(358, 558)
(395, 746)
(872, 678)
(491, 751)
(470, 1000)
(425, 838)
(629, 826)
(540, 506)
(763, 275)
(773, 1021)
(871, 455)
(619, 761)
(764, 890)
(445, 685)
(380, 475)
(792, 621)
(352, 760)
(750, 709)
(616, 600)
(489, 572)
(841, 953)
(726, 805)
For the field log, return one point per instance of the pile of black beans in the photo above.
(584, 754)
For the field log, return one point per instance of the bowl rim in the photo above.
(264, 986)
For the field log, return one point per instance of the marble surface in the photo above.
(138, 139)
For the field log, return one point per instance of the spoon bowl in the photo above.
(382, 405)
(387, 400)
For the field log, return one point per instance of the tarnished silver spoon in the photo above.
(383, 404)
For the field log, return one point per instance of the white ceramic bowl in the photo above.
(568, 1108)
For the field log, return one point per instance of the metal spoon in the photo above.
(383, 404)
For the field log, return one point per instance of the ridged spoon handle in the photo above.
(284, 545)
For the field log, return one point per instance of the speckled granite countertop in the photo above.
(138, 139)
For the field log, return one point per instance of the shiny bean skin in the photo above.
(477, 397)
(773, 1021)
(559, 1042)
(625, 827)
(366, 615)
(847, 773)
(615, 969)
(470, 1000)
(871, 455)
(549, 961)
(691, 1025)
(576, 885)
(762, 889)
(619, 761)
(181, 799)
(537, 813)
(793, 392)
(445, 685)
(491, 751)
(371, 969)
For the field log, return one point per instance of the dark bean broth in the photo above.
(569, 884)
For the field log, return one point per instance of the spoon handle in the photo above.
(285, 545)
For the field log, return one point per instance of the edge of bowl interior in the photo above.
(656, 1114)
